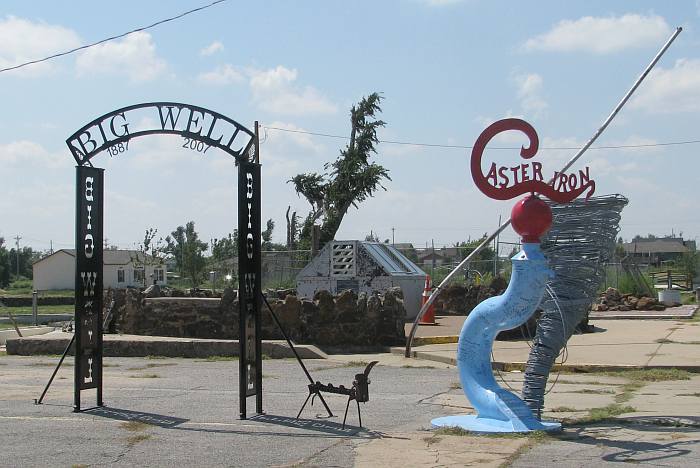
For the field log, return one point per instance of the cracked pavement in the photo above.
(165, 412)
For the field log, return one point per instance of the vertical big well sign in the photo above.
(88, 282)
(249, 286)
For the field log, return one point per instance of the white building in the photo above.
(122, 268)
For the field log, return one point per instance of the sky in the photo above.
(446, 69)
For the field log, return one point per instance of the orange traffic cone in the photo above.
(429, 315)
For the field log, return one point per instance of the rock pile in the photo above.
(612, 299)
(459, 299)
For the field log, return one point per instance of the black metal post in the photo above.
(55, 371)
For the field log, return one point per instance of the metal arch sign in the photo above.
(194, 123)
(504, 183)
(201, 129)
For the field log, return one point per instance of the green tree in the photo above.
(349, 180)
(266, 236)
(484, 255)
(151, 252)
(226, 248)
(689, 262)
(5, 266)
(189, 251)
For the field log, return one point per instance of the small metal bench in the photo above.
(358, 392)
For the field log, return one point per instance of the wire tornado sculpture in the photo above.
(579, 243)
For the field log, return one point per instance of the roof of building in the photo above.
(109, 256)
(671, 245)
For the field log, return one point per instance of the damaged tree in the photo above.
(349, 180)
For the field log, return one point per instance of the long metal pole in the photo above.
(571, 162)
(58, 366)
(294, 350)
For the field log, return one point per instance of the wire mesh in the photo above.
(580, 242)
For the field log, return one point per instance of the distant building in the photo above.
(122, 269)
(443, 256)
(656, 251)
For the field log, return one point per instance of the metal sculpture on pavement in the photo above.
(200, 130)
(578, 245)
(499, 410)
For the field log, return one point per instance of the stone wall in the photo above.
(340, 321)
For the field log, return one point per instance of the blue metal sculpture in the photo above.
(498, 409)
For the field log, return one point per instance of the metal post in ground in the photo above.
(35, 314)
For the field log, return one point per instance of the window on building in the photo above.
(138, 275)
(159, 274)
(120, 276)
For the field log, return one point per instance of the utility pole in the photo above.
(392, 236)
(17, 239)
(497, 244)
(51, 246)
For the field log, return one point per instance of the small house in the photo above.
(121, 269)
(363, 267)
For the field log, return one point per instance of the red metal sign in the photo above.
(504, 183)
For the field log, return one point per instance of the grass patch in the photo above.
(408, 366)
(651, 375)
(151, 365)
(153, 356)
(534, 438)
(3, 353)
(604, 413)
(134, 426)
(137, 438)
(563, 409)
(218, 358)
(592, 391)
(628, 390)
(451, 431)
(343, 365)
(577, 382)
(145, 376)
(357, 364)
(455, 385)
(79, 465)
(46, 309)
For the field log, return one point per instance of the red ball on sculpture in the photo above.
(531, 217)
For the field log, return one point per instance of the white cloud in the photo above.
(529, 93)
(22, 40)
(274, 90)
(214, 47)
(601, 35)
(669, 90)
(282, 138)
(134, 56)
(31, 154)
(221, 75)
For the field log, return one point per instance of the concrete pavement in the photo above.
(175, 411)
(615, 344)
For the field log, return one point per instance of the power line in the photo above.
(87, 46)
(437, 145)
